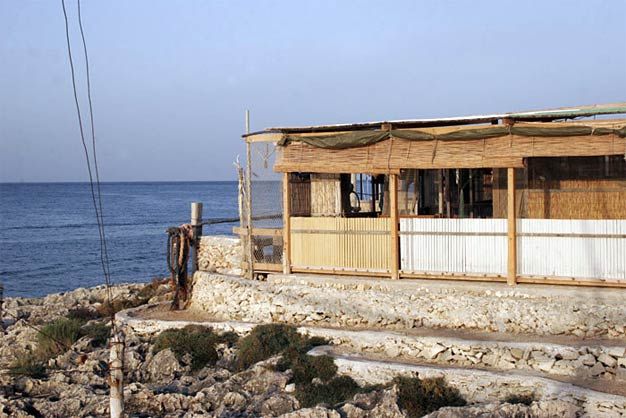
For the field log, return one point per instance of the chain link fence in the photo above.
(266, 207)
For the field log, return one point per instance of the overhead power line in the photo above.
(95, 190)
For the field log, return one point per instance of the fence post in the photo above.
(196, 224)
(1, 308)
(511, 277)
(116, 377)
(249, 241)
(286, 225)
(393, 219)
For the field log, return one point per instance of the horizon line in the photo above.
(117, 181)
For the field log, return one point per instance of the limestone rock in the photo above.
(317, 412)
(597, 369)
(279, 405)
(547, 409)
(607, 360)
(163, 367)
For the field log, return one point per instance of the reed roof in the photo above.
(547, 115)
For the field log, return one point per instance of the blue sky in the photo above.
(171, 79)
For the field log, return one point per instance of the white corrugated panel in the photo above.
(572, 248)
(463, 246)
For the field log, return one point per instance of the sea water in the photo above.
(49, 236)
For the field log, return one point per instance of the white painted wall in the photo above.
(473, 246)
(479, 246)
(601, 253)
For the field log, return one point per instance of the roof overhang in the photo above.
(275, 134)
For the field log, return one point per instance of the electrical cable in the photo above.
(103, 258)
(93, 144)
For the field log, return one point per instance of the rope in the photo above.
(178, 243)
(235, 220)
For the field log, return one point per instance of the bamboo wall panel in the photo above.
(499, 193)
(325, 195)
(360, 244)
(395, 154)
(576, 204)
(300, 198)
(463, 246)
(572, 248)
(571, 188)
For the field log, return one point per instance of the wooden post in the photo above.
(1, 306)
(196, 224)
(448, 194)
(249, 242)
(242, 213)
(286, 225)
(471, 193)
(393, 217)
(511, 277)
(440, 193)
(116, 377)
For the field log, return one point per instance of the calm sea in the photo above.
(49, 238)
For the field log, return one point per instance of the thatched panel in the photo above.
(394, 154)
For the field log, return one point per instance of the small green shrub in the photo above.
(197, 341)
(28, 365)
(57, 336)
(98, 332)
(265, 341)
(315, 342)
(230, 338)
(417, 397)
(524, 398)
(305, 368)
(338, 389)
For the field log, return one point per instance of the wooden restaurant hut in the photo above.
(529, 197)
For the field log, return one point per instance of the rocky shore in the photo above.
(73, 382)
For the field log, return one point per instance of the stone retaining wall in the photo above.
(582, 362)
(354, 304)
(483, 387)
(220, 254)
(405, 304)
(477, 386)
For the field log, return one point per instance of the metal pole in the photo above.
(116, 379)
(1, 307)
(249, 244)
(196, 224)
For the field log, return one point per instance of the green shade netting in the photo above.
(362, 138)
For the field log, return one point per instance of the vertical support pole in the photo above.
(440, 196)
(286, 225)
(511, 230)
(393, 215)
(196, 224)
(448, 194)
(1, 307)
(249, 243)
(241, 186)
(471, 193)
(116, 378)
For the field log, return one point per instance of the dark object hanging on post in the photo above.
(178, 243)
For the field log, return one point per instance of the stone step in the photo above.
(588, 364)
(583, 362)
(479, 386)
